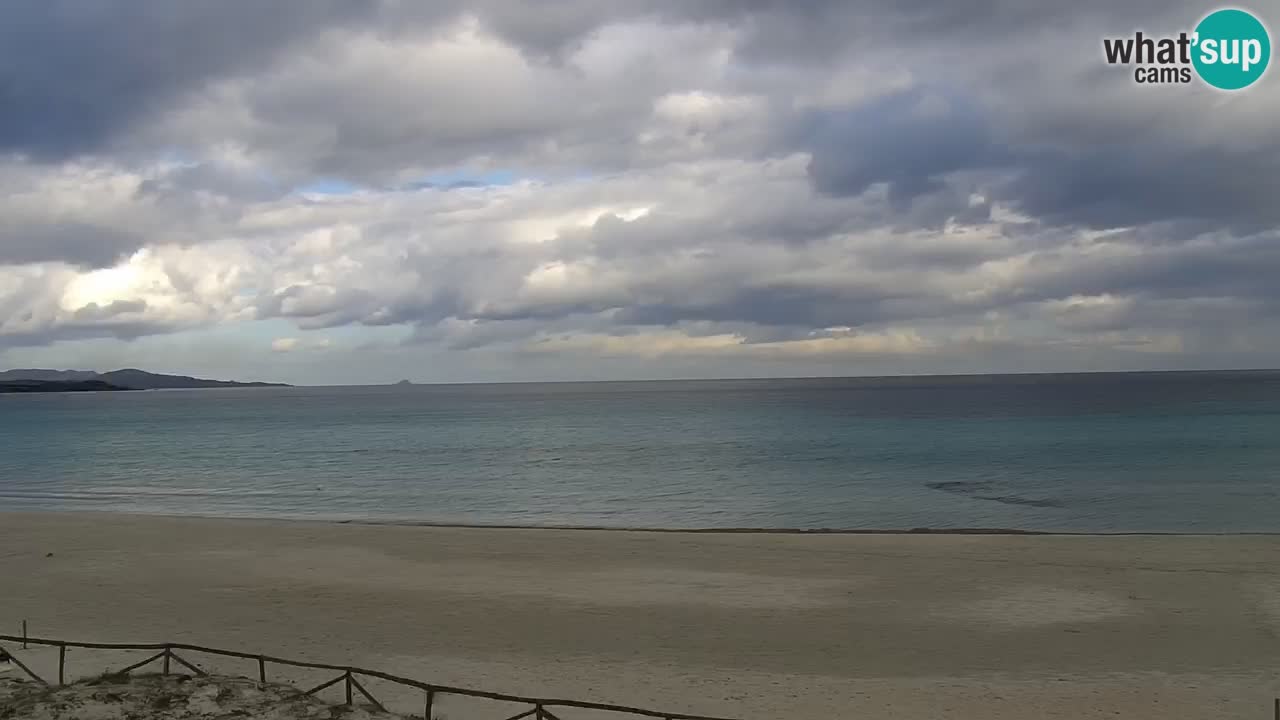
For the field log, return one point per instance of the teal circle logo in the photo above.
(1232, 49)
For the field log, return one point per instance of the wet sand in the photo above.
(750, 625)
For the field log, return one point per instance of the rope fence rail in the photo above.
(349, 677)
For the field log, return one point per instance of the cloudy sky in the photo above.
(329, 191)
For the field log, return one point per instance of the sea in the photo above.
(1125, 452)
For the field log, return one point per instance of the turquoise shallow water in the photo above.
(1180, 452)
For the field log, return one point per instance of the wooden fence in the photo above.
(539, 708)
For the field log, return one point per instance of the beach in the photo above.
(748, 625)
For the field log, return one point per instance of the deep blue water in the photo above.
(1177, 452)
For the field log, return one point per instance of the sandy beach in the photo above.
(741, 625)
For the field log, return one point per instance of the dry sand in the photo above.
(746, 625)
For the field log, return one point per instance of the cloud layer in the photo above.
(648, 187)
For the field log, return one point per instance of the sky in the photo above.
(334, 192)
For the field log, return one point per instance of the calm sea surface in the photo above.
(1171, 452)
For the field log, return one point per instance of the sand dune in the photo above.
(172, 697)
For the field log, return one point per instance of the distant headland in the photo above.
(45, 386)
(28, 380)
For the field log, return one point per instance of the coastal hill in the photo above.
(42, 386)
(126, 379)
(48, 375)
(144, 380)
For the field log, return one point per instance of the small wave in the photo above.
(980, 489)
(129, 494)
(178, 491)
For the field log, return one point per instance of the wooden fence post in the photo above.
(536, 708)
(4, 653)
(262, 669)
(24, 634)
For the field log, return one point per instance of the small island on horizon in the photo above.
(404, 382)
(34, 380)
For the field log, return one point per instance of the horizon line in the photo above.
(901, 376)
(1027, 373)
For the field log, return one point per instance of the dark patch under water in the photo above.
(979, 490)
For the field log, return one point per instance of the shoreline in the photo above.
(729, 530)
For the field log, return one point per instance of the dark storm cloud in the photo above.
(87, 329)
(121, 319)
(94, 313)
(1220, 266)
(1144, 178)
(909, 140)
(73, 242)
(75, 74)
(812, 31)
(798, 30)
(1137, 183)
(799, 309)
(776, 306)
(318, 306)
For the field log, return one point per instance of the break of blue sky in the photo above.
(328, 186)
(446, 180)
(468, 178)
